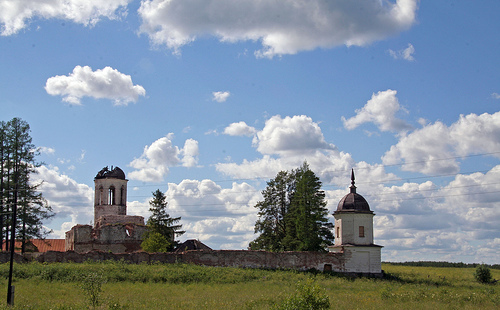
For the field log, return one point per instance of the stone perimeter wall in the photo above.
(220, 258)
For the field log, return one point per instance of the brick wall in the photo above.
(221, 258)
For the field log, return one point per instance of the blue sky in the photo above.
(208, 99)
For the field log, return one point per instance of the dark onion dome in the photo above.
(353, 202)
(115, 173)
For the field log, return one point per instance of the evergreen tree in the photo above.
(313, 231)
(272, 222)
(160, 223)
(17, 154)
(293, 214)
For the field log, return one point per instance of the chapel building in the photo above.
(354, 234)
(113, 230)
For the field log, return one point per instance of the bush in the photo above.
(307, 296)
(92, 287)
(482, 274)
(156, 242)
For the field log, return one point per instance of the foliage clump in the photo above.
(482, 274)
(91, 285)
(156, 242)
(307, 296)
(293, 214)
(162, 229)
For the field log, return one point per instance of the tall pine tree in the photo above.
(313, 231)
(293, 214)
(162, 229)
(17, 154)
(272, 222)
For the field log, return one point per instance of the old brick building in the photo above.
(113, 231)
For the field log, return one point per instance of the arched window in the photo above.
(122, 196)
(100, 198)
(111, 196)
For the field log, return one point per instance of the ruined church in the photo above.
(113, 230)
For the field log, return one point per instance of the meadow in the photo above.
(181, 286)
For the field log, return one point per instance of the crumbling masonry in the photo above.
(113, 231)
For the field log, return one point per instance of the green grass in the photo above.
(180, 286)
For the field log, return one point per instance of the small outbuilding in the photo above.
(354, 234)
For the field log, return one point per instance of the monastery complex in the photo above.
(116, 235)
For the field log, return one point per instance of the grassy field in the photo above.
(179, 286)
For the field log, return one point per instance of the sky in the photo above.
(207, 100)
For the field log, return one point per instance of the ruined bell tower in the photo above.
(110, 194)
(113, 231)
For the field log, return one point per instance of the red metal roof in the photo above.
(41, 245)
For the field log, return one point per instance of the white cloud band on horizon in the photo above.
(107, 83)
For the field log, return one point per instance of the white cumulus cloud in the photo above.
(14, 15)
(240, 129)
(71, 201)
(156, 159)
(46, 150)
(283, 27)
(220, 96)
(219, 217)
(423, 150)
(413, 219)
(190, 153)
(380, 110)
(297, 134)
(406, 54)
(286, 142)
(107, 83)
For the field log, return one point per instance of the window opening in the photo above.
(111, 196)
(122, 199)
(361, 231)
(100, 195)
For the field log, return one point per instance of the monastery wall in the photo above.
(347, 262)
(220, 258)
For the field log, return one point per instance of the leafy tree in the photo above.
(482, 274)
(17, 192)
(161, 223)
(293, 214)
(156, 242)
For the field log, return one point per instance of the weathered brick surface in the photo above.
(5, 258)
(115, 238)
(222, 258)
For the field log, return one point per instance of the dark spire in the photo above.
(352, 187)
